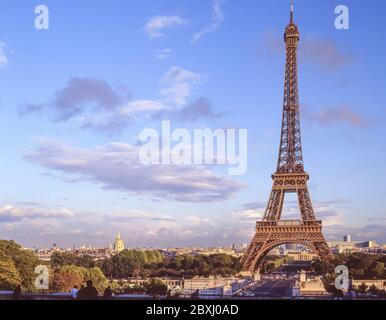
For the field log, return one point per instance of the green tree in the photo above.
(134, 289)
(107, 268)
(59, 259)
(24, 261)
(97, 277)
(9, 276)
(156, 288)
(323, 267)
(378, 269)
(85, 261)
(129, 263)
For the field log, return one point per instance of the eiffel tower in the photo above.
(290, 177)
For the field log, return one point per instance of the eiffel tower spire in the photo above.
(290, 177)
(292, 12)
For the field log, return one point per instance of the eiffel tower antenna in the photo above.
(290, 177)
(292, 11)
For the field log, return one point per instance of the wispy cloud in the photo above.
(116, 166)
(163, 54)
(156, 26)
(329, 211)
(202, 108)
(217, 20)
(3, 55)
(324, 54)
(343, 114)
(177, 85)
(365, 232)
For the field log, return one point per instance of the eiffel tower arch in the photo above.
(290, 177)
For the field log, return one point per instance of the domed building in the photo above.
(119, 245)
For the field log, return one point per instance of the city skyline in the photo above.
(76, 96)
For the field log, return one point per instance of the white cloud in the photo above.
(116, 166)
(163, 54)
(217, 20)
(3, 55)
(329, 213)
(177, 85)
(12, 213)
(156, 26)
(140, 106)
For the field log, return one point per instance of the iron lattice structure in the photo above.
(290, 177)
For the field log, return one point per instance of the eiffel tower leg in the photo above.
(275, 205)
(251, 259)
(323, 251)
(305, 204)
(307, 212)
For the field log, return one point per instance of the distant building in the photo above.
(379, 284)
(347, 245)
(311, 287)
(291, 246)
(44, 255)
(302, 256)
(119, 245)
(212, 286)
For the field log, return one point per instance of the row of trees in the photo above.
(69, 259)
(360, 265)
(153, 287)
(131, 263)
(151, 263)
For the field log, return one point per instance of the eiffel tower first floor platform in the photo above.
(270, 234)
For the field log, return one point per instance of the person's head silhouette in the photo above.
(89, 283)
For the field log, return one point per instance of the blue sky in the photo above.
(74, 98)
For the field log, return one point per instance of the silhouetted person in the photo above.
(108, 294)
(88, 293)
(196, 295)
(351, 294)
(74, 292)
(80, 294)
(16, 295)
(339, 295)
